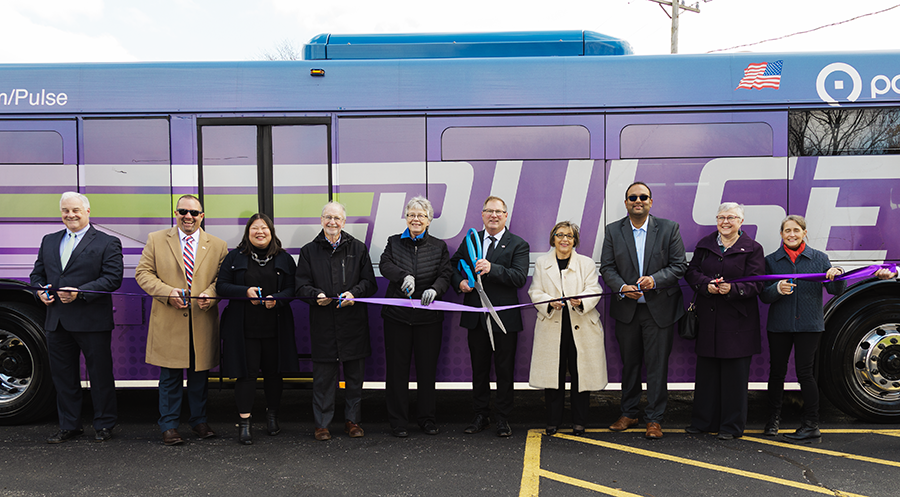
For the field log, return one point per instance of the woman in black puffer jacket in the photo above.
(417, 266)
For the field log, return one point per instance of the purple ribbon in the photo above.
(440, 305)
(863, 272)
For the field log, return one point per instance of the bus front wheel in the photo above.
(860, 361)
(26, 389)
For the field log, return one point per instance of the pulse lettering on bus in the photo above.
(33, 99)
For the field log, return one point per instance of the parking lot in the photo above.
(852, 459)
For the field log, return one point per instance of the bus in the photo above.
(557, 124)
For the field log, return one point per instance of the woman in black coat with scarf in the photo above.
(417, 266)
(729, 332)
(796, 321)
(258, 334)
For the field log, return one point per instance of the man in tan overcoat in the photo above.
(178, 267)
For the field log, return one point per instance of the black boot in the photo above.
(771, 428)
(244, 435)
(272, 426)
(808, 431)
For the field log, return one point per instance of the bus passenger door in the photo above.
(277, 167)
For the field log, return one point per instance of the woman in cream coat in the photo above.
(568, 335)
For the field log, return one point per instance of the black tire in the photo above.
(26, 389)
(860, 360)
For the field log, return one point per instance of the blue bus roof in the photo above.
(571, 83)
(463, 45)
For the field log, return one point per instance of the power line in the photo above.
(805, 32)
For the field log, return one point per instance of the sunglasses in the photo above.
(643, 198)
(184, 212)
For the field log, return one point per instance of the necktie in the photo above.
(189, 260)
(67, 249)
(490, 249)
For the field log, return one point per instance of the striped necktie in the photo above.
(188, 260)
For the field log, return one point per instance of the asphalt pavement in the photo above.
(853, 458)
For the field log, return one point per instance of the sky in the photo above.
(34, 31)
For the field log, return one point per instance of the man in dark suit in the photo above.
(503, 268)
(70, 263)
(643, 258)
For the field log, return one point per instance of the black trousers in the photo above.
(401, 341)
(504, 368)
(555, 399)
(641, 341)
(805, 346)
(64, 348)
(261, 354)
(720, 395)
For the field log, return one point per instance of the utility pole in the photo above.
(676, 10)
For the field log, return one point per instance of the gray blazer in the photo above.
(663, 260)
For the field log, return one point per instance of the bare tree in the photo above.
(285, 50)
(844, 132)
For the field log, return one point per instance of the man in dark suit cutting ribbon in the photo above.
(503, 267)
(70, 264)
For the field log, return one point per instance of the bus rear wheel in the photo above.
(26, 389)
(860, 359)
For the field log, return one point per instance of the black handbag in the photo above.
(689, 324)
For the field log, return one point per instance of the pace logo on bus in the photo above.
(879, 85)
(21, 96)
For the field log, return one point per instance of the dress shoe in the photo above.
(503, 429)
(654, 431)
(478, 424)
(693, 431)
(623, 423)
(399, 432)
(771, 428)
(429, 428)
(203, 430)
(353, 429)
(244, 435)
(726, 436)
(272, 427)
(550, 430)
(64, 435)
(577, 430)
(323, 434)
(808, 431)
(103, 434)
(172, 437)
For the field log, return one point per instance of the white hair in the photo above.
(336, 204)
(731, 206)
(422, 203)
(67, 195)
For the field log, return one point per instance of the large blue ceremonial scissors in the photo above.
(475, 280)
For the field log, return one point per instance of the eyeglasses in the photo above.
(332, 218)
(416, 216)
(493, 212)
(730, 219)
(567, 236)
(184, 212)
(643, 198)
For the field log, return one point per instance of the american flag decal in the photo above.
(762, 75)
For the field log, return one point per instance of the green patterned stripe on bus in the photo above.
(30, 205)
(358, 204)
(140, 205)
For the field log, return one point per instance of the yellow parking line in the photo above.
(531, 468)
(532, 472)
(615, 492)
(714, 467)
(822, 451)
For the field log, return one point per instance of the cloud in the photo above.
(25, 41)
